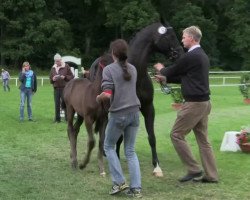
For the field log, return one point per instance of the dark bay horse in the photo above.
(80, 97)
(155, 38)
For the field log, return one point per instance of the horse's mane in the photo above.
(145, 32)
(140, 47)
(103, 60)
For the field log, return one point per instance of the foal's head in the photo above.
(105, 60)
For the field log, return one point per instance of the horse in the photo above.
(161, 38)
(80, 97)
(158, 37)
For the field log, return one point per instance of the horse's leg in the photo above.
(149, 115)
(72, 137)
(101, 149)
(118, 144)
(78, 123)
(91, 141)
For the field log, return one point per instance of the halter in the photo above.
(101, 65)
(174, 53)
(162, 29)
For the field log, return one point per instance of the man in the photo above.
(5, 78)
(192, 71)
(60, 74)
(27, 88)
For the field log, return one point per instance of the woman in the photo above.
(27, 88)
(119, 85)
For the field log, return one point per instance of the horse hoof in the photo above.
(82, 166)
(74, 165)
(157, 171)
(158, 174)
(103, 174)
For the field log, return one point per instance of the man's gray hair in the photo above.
(57, 57)
(193, 31)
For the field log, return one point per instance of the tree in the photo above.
(35, 30)
(239, 30)
(189, 14)
(29, 34)
(129, 16)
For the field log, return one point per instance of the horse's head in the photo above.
(166, 42)
(105, 60)
(98, 66)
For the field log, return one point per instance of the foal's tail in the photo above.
(101, 123)
(102, 118)
(98, 125)
(63, 104)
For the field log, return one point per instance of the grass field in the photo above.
(35, 165)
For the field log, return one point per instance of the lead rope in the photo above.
(165, 88)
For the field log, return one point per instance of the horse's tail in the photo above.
(66, 92)
(102, 119)
(63, 104)
(98, 125)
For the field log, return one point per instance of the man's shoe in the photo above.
(204, 180)
(190, 177)
(118, 188)
(134, 192)
(31, 120)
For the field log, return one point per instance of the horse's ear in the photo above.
(164, 21)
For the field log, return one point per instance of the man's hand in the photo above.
(158, 66)
(161, 79)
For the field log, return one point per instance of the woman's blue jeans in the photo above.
(126, 125)
(26, 93)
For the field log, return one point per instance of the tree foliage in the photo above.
(35, 30)
(239, 29)
(29, 34)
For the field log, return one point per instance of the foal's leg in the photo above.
(101, 149)
(72, 137)
(149, 115)
(78, 123)
(91, 141)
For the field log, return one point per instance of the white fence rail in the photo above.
(215, 81)
(40, 80)
(222, 81)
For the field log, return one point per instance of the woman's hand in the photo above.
(102, 97)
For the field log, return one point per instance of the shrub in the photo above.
(245, 85)
(176, 95)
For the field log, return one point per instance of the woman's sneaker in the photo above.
(134, 192)
(118, 188)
